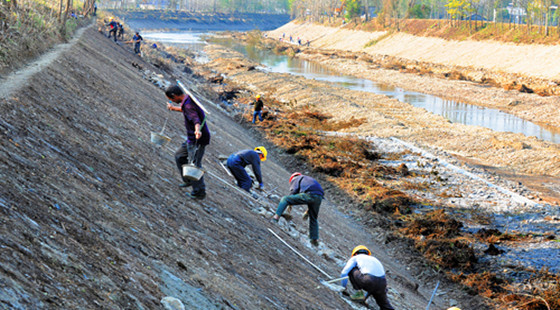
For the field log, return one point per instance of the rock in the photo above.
(172, 303)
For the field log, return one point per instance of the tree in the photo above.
(352, 9)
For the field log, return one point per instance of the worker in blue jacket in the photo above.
(304, 190)
(237, 162)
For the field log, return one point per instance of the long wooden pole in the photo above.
(192, 97)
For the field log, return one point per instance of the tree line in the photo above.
(529, 12)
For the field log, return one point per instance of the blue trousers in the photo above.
(313, 203)
(243, 179)
(182, 156)
(259, 114)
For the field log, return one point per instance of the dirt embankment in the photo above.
(451, 65)
(92, 216)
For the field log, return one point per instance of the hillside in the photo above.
(92, 216)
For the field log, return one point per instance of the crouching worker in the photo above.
(304, 190)
(366, 272)
(237, 162)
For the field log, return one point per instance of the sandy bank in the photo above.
(540, 61)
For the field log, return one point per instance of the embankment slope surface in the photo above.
(92, 216)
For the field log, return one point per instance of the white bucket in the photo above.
(192, 172)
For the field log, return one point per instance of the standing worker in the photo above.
(112, 28)
(237, 162)
(198, 137)
(258, 109)
(137, 40)
(120, 33)
(304, 190)
(366, 272)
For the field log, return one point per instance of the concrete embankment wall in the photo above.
(539, 61)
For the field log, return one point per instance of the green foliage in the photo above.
(419, 11)
(353, 8)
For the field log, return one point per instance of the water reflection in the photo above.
(456, 112)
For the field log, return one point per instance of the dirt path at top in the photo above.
(19, 78)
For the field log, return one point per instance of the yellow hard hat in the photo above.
(453, 308)
(262, 151)
(258, 96)
(360, 248)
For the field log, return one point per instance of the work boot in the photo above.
(197, 196)
(274, 221)
(314, 242)
(358, 296)
(288, 217)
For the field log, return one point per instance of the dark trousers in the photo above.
(137, 48)
(243, 179)
(114, 31)
(313, 203)
(182, 156)
(374, 286)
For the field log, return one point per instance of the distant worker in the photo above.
(112, 28)
(366, 272)
(94, 9)
(137, 39)
(120, 31)
(198, 137)
(304, 190)
(307, 43)
(237, 162)
(258, 109)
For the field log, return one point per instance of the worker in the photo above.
(112, 28)
(304, 190)
(137, 39)
(120, 31)
(366, 272)
(237, 162)
(198, 137)
(258, 109)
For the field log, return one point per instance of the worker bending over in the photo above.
(237, 162)
(366, 272)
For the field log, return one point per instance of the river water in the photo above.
(456, 112)
(537, 255)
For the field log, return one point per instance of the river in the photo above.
(457, 112)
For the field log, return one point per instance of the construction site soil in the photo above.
(92, 216)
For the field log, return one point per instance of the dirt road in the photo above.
(92, 216)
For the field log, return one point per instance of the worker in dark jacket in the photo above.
(258, 109)
(137, 39)
(198, 137)
(237, 162)
(366, 272)
(304, 190)
(112, 28)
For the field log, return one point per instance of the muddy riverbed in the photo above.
(472, 171)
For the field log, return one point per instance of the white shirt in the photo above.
(367, 265)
